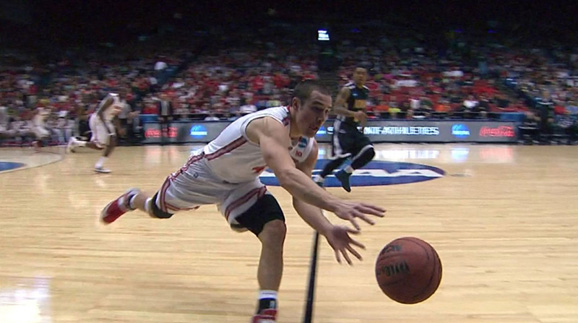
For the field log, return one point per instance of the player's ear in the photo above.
(295, 103)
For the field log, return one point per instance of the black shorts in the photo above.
(265, 210)
(349, 140)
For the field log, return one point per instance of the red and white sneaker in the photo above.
(118, 207)
(266, 316)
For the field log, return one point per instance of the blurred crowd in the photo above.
(406, 81)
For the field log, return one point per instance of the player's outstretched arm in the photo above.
(273, 139)
(311, 214)
(337, 236)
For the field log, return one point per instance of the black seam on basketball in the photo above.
(439, 266)
(428, 259)
(432, 274)
(416, 296)
(429, 248)
(389, 258)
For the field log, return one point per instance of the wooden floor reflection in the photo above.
(503, 219)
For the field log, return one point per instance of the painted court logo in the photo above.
(375, 173)
(5, 166)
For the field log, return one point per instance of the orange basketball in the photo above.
(408, 270)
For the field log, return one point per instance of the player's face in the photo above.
(312, 113)
(360, 75)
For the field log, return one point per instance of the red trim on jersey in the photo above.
(192, 159)
(172, 207)
(162, 193)
(260, 191)
(287, 119)
(177, 209)
(165, 206)
(228, 148)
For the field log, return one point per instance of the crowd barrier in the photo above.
(422, 131)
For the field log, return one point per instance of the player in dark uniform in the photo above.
(348, 141)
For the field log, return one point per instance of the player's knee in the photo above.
(370, 153)
(265, 213)
(364, 157)
(367, 154)
(158, 214)
(273, 232)
(154, 211)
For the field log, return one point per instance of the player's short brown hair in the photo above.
(303, 90)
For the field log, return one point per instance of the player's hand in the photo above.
(360, 116)
(351, 210)
(342, 243)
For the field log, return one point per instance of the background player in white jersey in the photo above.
(226, 173)
(4, 123)
(41, 132)
(103, 130)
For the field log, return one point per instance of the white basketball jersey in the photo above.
(40, 117)
(235, 159)
(109, 112)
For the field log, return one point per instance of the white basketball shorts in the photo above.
(195, 185)
(101, 130)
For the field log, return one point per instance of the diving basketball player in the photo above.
(226, 172)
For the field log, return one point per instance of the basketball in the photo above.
(408, 270)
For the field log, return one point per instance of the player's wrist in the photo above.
(325, 228)
(333, 204)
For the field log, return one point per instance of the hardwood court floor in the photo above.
(503, 220)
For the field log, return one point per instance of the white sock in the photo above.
(148, 205)
(318, 179)
(349, 169)
(268, 294)
(267, 300)
(100, 162)
(131, 202)
(79, 143)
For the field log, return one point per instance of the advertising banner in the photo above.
(377, 131)
(185, 132)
